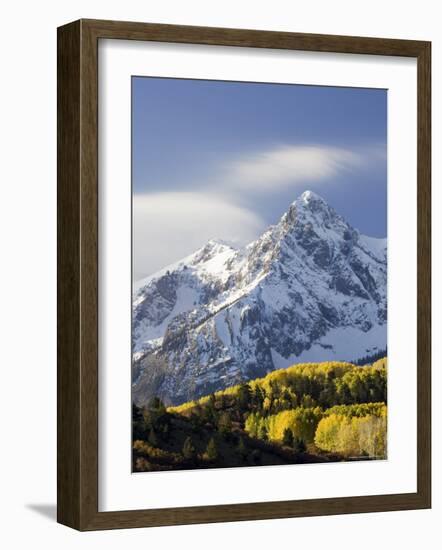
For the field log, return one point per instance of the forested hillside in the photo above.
(313, 412)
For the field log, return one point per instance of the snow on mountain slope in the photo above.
(311, 288)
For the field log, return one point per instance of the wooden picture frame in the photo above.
(78, 274)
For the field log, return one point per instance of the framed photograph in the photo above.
(243, 275)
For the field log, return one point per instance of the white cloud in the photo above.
(168, 226)
(289, 166)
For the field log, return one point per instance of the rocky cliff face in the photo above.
(311, 288)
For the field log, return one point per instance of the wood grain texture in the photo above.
(78, 274)
(68, 276)
(424, 274)
(252, 38)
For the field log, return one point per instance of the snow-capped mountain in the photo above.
(311, 288)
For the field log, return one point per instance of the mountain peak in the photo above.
(308, 205)
(310, 195)
(310, 201)
(221, 243)
(310, 198)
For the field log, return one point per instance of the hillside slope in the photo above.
(307, 413)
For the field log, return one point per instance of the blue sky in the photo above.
(215, 159)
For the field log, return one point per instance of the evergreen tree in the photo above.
(242, 449)
(152, 439)
(212, 450)
(258, 397)
(287, 438)
(138, 427)
(222, 401)
(212, 401)
(263, 433)
(146, 422)
(299, 445)
(244, 396)
(256, 456)
(136, 413)
(189, 451)
(224, 423)
(209, 414)
(156, 405)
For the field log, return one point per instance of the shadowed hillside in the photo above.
(313, 412)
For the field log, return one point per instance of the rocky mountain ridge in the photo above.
(311, 288)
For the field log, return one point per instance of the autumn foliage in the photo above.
(305, 413)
